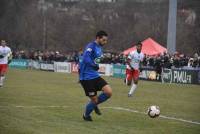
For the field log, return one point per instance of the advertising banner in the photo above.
(180, 76)
(149, 74)
(102, 69)
(19, 63)
(47, 67)
(63, 67)
(119, 71)
(109, 70)
(33, 64)
(74, 67)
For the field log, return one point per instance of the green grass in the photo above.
(36, 88)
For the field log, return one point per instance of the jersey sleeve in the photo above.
(130, 56)
(87, 57)
(10, 56)
(142, 58)
(9, 52)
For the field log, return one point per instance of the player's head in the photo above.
(102, 38)
(139, 46)
(3, 43)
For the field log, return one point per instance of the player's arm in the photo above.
(10, 57)
(141, 65)
(129, 62)
(88, 58)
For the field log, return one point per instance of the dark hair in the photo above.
(100, 34)
(139, 43)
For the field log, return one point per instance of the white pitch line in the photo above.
(115, 108)
(161, 116)
(179, 119)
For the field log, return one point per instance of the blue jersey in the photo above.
(91, 52)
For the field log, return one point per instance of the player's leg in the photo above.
(1, 81)
(89, 88)
(126, 75)
(90, 107)
(1, 75)
(133, 88)
(102, 85)
(106, 94)
(129, 77)
(135, 82)
(3, 71)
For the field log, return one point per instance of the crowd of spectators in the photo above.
(46, 56)
(50, 56)
(165, 60)
(173, 61)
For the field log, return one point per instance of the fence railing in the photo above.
(184, 76)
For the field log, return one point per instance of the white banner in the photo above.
(35, 65)
(105, 69)
(109, 70)
(44, 66)
(102, 69)
(64, 67)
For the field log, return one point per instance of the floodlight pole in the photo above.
(44, 37)
(171, 35)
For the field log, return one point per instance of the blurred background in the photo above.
(67, 25)
(60, 29)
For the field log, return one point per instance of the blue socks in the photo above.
(90, 106)
(102, 97)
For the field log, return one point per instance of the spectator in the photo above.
(166, 61)
(190, 63)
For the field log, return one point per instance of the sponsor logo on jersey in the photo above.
(89, 49)
(91, 93)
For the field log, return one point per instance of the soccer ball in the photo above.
(153, 111)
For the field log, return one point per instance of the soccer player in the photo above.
(5, 54)
(133, 68)
(90, 78)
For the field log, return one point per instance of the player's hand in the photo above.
(9, 61)
(96, 67)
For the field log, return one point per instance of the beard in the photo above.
(101, 44)
(139, 51)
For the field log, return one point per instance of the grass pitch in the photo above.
(37, 102)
